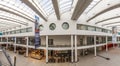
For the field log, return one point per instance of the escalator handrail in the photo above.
(7, 56)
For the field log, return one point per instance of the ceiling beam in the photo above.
(13, 21)
(27, 2)
(9, 27)
(107, 19)
(7, 24)
(18, 11)
(6, 10)
(79, 8)
(104, 11)
(110, 23)
(56, 7)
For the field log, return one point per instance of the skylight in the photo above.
(65, 5)
(92, 5)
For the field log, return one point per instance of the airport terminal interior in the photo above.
(59, 32)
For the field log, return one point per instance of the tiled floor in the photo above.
(113, 54)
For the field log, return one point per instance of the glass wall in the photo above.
(29, 29)
(92, 28)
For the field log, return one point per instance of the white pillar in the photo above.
(106, 43)
(1, 39)
(95, 50)
(75, 48)
(85, 40)
(15, 45)
(46, 49)
(71, 48)
(27, 41)
(7, 43)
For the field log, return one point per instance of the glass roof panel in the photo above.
(92, 5)
(18, 6)
(47, 6)
(6, 14)
(65, 5)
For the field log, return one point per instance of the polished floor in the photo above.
(90, 60)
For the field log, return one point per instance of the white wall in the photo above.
(61, 40)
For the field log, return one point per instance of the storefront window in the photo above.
(20, 40)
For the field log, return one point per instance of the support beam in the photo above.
(71, 48)
(107, 19)
(111, 23)
(104, 11)
(17, 11)
(17, 21)
(46, 49)
(79, 8)
(13, 21)
(32, 6)
(76, 49)
(6, 23)
(95, 48)
(4, 28)
(56, 7)
(6, 10)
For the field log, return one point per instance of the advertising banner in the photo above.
(37, 36)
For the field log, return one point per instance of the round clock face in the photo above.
(41, 27)
(65, 25)
(52, 26)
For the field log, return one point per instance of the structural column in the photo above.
(75, 48)
(95, 50)
(71, 48)
(27, 41)
(46, 49)
(85, 40)
(15, 45)
(106, 43)
(1, 39)
(7, 43)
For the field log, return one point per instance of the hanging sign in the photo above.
(37, 36)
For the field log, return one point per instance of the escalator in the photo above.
(8, 58)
